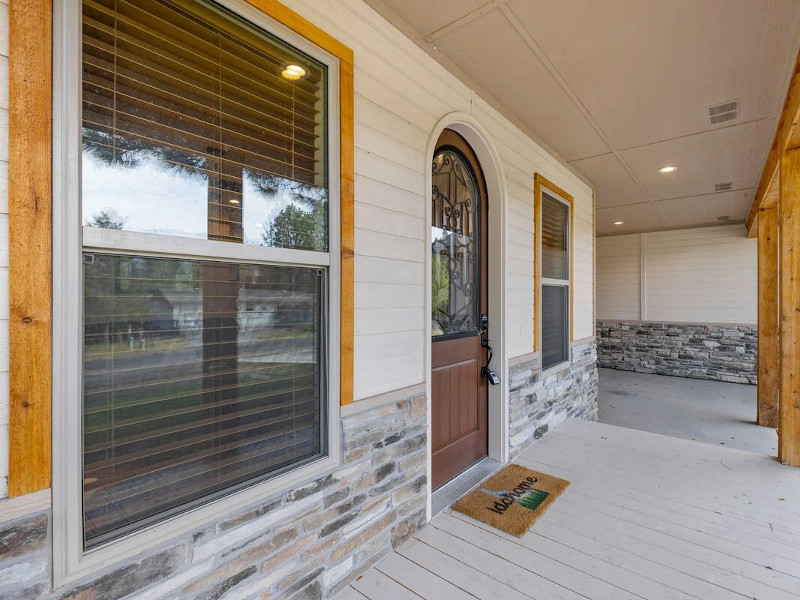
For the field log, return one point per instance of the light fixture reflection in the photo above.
(233, 201)
(293, 72)
(618, 222)
(668, 169)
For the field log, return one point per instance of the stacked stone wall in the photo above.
(25, 556)
(537, 404)
(304, 544)
(716, 352)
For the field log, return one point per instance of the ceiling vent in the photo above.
(724, 218)
(727, 111)
(723, 187)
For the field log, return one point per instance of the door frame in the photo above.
(478, 138)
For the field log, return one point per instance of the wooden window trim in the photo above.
(30, 228)
(539, 182)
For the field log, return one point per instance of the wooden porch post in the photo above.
(789, 255)
(768, 371)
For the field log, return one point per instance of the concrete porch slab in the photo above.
(714, 412)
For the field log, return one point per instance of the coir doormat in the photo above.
(512, 499)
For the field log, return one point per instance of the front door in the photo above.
(459, 287)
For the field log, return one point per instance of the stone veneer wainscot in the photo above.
(716, 352)
(538, 404)
(307, 543)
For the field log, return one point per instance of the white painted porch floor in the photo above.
(645, 516)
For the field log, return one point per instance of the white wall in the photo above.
(704, 275)
(619, 277)
(400, 94)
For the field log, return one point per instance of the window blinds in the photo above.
(555, 228)
(555, 324)
(198, 376)
(198, 91)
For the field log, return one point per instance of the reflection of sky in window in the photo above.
(153, 200)
(443, 235)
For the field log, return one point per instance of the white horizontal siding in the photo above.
(619, 277)
(583, 267)
(704, 275)
(373, 192)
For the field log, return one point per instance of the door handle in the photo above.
(485, 370)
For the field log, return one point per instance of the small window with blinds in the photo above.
(205, 258)
(555, 292)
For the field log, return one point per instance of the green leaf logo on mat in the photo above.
(533, 499)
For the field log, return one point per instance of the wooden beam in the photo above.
(789, 360)
(347, 223)
(30, 269)
(768, 200)
(772, 196)
(768, 372)
(787, 136)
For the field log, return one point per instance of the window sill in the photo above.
(151, 537)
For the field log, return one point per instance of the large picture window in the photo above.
(207, 217)
(554, 277)
(198, 377)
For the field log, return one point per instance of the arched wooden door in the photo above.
(459, 300)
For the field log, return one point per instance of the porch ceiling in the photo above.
(620, 88)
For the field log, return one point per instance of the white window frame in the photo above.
(70, 239)
(567, 283)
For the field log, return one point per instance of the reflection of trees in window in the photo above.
(440, 280)
(302, 225)
(298, 228)
(107, 219)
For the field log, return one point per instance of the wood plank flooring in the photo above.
(646, 516)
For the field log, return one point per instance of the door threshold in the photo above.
(450, 492)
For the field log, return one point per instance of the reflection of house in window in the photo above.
(184, 308)
(275, 307)
(187, 307)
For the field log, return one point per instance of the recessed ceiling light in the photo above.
(668, 169)
(618, 222)
(293, 72)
